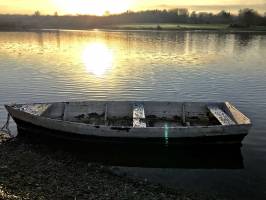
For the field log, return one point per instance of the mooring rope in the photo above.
(5, 128)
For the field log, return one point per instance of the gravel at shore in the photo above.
(32, 171)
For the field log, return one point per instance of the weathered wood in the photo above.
(220, 115)
(138, 116)
(183, 114)
(55, 111)
(34, 109)
(239, 117)
(106, 114)
(72, 127)
(65, 112)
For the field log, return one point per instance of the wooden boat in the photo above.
(164, 123)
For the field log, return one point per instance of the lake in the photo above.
(149, 65)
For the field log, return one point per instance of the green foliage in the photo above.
(37, 13)
(249, 17)
(149, 19)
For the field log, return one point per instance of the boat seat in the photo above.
(220, 115)
(138, 116)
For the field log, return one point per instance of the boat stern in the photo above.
(236, 115)
(34, 109)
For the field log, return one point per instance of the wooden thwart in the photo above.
(238, 117)
(139, 116)
(220, 115)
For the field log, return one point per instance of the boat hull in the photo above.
(31, 130)
(37, 120)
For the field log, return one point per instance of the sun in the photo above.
(92, 7)
(97, 58)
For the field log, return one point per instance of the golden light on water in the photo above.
(97, 58)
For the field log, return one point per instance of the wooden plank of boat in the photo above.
(35, 109)
(138, 116)
(184, 122)
(235, 114)
(106, 114)
(220, 115)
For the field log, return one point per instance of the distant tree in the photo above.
(224, 17)
(205, 17)
(106, 13)
(248, 16)
(178, 15)
(159, 27)
(37, 13)
(193, 17)
(56, 14)
(264, 20)
(245, 18)
(182, 12)
(224, 14)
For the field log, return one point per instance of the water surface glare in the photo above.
(148, 65)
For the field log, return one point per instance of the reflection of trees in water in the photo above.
(40, 38)
(243, 39)
(220, 40)
(181, 42)
(58, 41)
(157, 45)
(261, 41)
(175, 42)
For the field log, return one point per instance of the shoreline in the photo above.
(221, 28)
(34, 171)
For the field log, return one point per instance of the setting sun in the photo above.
(97, 58)
(99, 7)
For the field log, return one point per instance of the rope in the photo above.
(5, 128)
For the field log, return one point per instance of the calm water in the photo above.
(172, 66)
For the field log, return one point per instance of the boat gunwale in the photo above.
(128, 132)
(127, 127)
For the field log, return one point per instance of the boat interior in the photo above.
(140, 114)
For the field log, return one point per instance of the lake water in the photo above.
(149, 65)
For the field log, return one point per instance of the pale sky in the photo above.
(116, 6)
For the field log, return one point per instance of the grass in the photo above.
(173, 26)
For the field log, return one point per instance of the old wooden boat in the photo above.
(164, 123)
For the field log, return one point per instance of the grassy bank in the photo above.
(153, 26)
(168, 26)
(34, 171)
(171, 26)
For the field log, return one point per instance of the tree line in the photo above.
(245, 18)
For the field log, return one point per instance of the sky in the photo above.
(99, 7)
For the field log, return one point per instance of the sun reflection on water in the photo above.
(97, 58)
